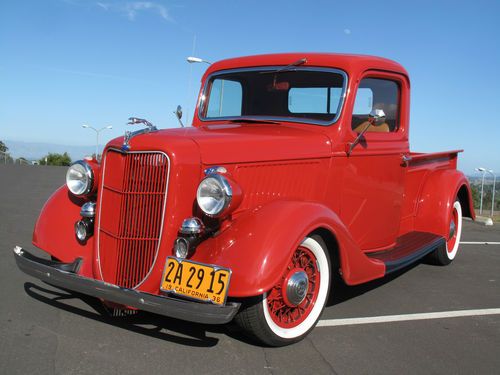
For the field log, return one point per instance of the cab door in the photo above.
(373, 179)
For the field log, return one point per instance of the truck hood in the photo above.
(234, 143)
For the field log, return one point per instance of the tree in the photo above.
(56, 159)
(487, 196)
(475, 195)
(3, 147)
(4, 155)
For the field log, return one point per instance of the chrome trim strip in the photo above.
(215, 169)
(162, 218)
(203, 96)
(129, 135)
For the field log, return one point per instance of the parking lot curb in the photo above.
(481, 220)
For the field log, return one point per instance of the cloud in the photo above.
(103, 6)
(131, 8)
(347, 31)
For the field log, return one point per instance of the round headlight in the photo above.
(80, 178)
(214, 194)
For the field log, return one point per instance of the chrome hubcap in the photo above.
(452, 229)
(296, 288)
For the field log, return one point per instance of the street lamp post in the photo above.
(97, 131)
(490, 171)
(192, 59)
(483, 170)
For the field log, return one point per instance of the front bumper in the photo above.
(63, 275)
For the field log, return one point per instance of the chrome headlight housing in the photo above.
(80, 178)
(214, 195)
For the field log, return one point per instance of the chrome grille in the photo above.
(131, 209)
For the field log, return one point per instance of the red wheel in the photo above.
(293, 306)
(443, 255)
(294, 297)
(455, 231)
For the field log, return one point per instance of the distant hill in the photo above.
(36, 150)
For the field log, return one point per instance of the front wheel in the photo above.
(444, 255)
(291, 309)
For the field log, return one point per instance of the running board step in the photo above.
(408, 249)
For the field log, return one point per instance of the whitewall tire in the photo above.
(291, 309)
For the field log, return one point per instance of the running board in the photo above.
(408, 249)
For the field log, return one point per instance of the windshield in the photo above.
(301, 94)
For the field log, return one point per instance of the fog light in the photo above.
(84, 229)
(181, 247)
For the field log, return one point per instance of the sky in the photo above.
(65, 63)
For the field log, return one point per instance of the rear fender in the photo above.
(257, 247)
(440, 191)
(54, 230)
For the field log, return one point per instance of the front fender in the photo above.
(257, 247)
(440, 190)
(54, 230)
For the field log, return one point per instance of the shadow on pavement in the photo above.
(343, 292)
(156, 326)
(188, 333)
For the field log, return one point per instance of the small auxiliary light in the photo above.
(190, 234)
(84, 229)
(181, 248)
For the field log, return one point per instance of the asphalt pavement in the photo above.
(45, 330)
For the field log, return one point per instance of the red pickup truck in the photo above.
(296, 170)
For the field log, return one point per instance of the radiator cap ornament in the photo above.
(129, 135)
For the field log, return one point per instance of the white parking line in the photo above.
(479, 243)
(406, 317)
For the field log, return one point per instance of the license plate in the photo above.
(196, 280)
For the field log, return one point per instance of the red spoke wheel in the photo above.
(294, 297)
(293, 306)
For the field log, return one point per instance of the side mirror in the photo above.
(178, 114)
(376, 117)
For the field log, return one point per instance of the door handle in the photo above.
(406, 159)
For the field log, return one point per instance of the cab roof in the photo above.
(351, 64)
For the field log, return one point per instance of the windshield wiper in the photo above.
(288, 67)
(253, 120)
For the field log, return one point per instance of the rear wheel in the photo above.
(445, 254)
(291, 309)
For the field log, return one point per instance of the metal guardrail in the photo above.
(5, 156)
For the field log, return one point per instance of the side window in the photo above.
(376, 93)
(225, 98)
